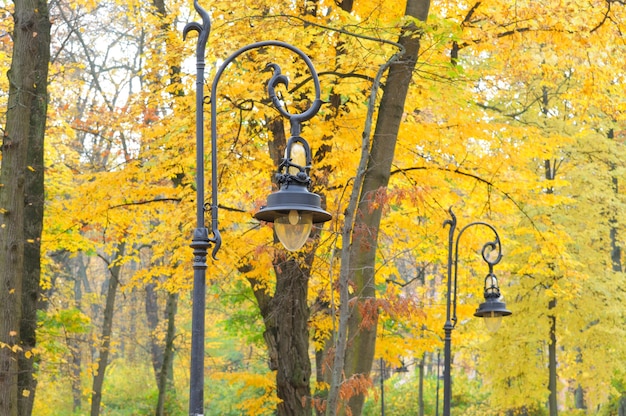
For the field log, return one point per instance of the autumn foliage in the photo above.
(515, 115)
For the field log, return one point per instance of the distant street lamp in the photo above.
(293, 208)
(493, 309)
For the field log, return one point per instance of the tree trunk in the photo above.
(107, 329)
(292, 339)
(420, 396)
(550, 169)
(25, 125)
(621, 411)
(616, 256)
(322, 369)
(552, 362)
(152, 318)
(362, 338)
(286, 335)
(166, 375)
(80, 275)
(579, 398)
(33, 216)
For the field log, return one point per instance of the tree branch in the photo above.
(478, 179)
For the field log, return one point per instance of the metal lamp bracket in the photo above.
(277, 78)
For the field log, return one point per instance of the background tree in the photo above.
(359, 260)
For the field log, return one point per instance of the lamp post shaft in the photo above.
(200, 241)
(447, 377)
(447, 349)
(200, 244)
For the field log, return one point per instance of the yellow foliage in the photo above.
(264, 402)
(523, 129)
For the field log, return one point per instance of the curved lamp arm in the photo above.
(487, 249)
(277, 79)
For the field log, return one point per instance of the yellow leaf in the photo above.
(25, 393)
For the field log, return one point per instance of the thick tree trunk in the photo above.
(25, 125)
(107, 330)
(292, 340)
(286, 335)
(33, 217)
(362, 337)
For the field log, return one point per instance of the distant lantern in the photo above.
(493, 309)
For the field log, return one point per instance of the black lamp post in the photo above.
(293, 208)
(492, 309)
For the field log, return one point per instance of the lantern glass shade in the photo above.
(492, 310)
(293, 229)
(293, 209)
(493, 321)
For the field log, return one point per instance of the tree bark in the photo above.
(25, 125)
(33, 217)
(550, 169)
(152, 319)
(361, 337)
(80, 275)
(285, 315)
(107, 330)
(420, 396)
(616, 254)
(552, 362)
(292, 340)
(166, 374)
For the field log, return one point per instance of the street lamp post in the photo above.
(493, 309)
(293, 208)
